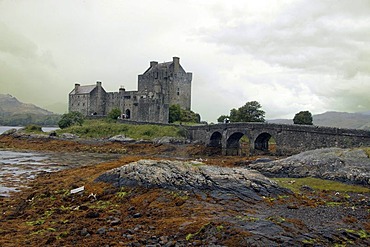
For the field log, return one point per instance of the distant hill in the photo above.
(365, 112)
(15, 113)
(360, 120)
(10, 105)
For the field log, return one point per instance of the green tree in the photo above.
(175, 113)
(303, 117)
(178, 114)
(189, 116)
(221, 118)
(69, 119)
(114, 113)
(250, 112)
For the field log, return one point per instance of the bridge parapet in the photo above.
(292, 127)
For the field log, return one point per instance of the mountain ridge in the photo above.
(357, 120)
(10, 106)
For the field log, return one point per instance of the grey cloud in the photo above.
(318, 36)
(15, 44)
(26, 72)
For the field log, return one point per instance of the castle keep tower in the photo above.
(159, 87)
(170, 79)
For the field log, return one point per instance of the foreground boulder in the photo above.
(219, 182)
(346, 165)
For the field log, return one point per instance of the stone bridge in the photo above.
(281, 139)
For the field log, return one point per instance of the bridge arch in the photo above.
(215, 140)
(238, 143)
(265, 142)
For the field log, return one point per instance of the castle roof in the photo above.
(159, 66)
(84, 89)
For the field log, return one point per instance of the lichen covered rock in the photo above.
(348, 165)
(220, 182)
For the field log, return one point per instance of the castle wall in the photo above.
(180, 90)
(79, 103)
(97, 102)
(160, 86)
(114, 100)
(150, 111)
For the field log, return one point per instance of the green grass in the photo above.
(33, 128)
(319, 185)
(187, 123)
(105, 129)
(367, 150)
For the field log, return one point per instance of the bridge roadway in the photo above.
(282, 139)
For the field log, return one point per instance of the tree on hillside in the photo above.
(70, 119)
(303, 117)
(250, 112)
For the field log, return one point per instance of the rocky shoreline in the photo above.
(142, 199)
(345, 165)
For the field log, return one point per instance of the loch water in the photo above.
(18, 168)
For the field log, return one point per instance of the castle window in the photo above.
(178, 91)
(83, 104)
(127, 97)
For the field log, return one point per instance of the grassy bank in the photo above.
(295, 184)
(104, 129)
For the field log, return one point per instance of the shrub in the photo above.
(70, 119)
(114, 113)
(33, 128)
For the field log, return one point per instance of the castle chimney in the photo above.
(153, 63)
(98, 83)
(122, 89)
(77, 85)
(176, 64)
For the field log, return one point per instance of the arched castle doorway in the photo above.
(128, 114)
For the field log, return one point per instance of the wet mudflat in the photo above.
(18, 168)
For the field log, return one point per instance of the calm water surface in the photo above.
(19, 168)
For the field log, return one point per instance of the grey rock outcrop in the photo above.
(219, 182)
(169, 139)
(9, 132)
(68, 136)
(121, 138)
(348, 165)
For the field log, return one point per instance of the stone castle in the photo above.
(159, 87)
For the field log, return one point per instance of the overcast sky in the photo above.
(289, 55)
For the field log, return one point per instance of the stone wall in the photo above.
(290, 139)
(150, 110)
(79, 103)
(180, 90)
